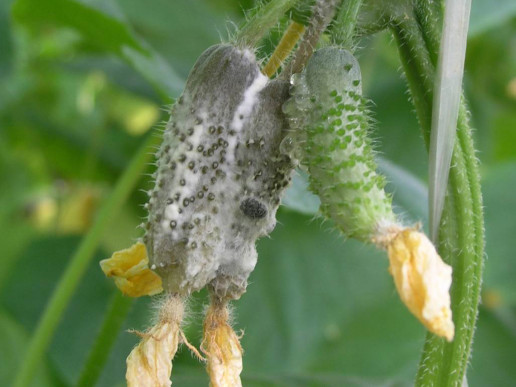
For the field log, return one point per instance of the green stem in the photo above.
(78, 265)
(323, 12)
(461, 230)
(262, 21)
(115, 317)
(345, 23)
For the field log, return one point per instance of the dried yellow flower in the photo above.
(150, 363)
(422, 279)
(130, 271)
(222, 348)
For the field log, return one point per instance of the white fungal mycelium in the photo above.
(220, 175)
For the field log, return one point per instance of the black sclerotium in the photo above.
(253, 208)
(219, 165)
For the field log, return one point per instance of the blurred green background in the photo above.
(82, 83)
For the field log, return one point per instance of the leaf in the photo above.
(6, 46)
(324, 306)
(156, 70)
(410, 194)
(97, 28)
(30, 284)
(14, 340)
(178, 30)
(486, 14)
(299, 198)
(102, 32)
(15, 233)
(500, 268)
(495, 350)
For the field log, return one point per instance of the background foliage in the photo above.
(81, 85)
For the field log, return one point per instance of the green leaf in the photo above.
(410, 194)
(324, 306)
(6, 46)
(299, 198)
(486, 14)
(103, 32)
(178, 30)
(27, 291)
(495, 351)
(97, 28)
(500, 270)
(14, 339)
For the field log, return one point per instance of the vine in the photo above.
(461, 232)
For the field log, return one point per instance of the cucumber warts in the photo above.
(327, 104)
(327, 113)
(219, 176)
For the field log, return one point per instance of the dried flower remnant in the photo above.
(422, 279)
(222, 347)
(150, 363)
(129, 268)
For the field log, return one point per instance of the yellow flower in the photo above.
(422, 279)
(130, 271)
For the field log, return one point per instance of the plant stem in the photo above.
(345, 23)
(323, 12)
(262, 21)
(78, 265)
(115, 317)
(284, 48)
(461, 229)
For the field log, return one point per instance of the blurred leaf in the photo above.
(299, 198)
(494, 352)
(410, 194)
(179, 30)
(157, 72)
(318, 380)
(6, 46)
(486, 14)
(103, 32)
(319, 303)
(499, 199)
(490, 65)
(27, 291)
(97, 28)
(505, 136)
(15, 232)
(14, 340)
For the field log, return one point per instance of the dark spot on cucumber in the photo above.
(253, 208)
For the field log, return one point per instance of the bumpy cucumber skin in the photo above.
(219, 177)
(329, 116)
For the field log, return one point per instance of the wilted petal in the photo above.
(150, 363)
(423, 280)
(130, 271)
(222, 348)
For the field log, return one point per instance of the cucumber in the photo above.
(220, 175)
(330, 121)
